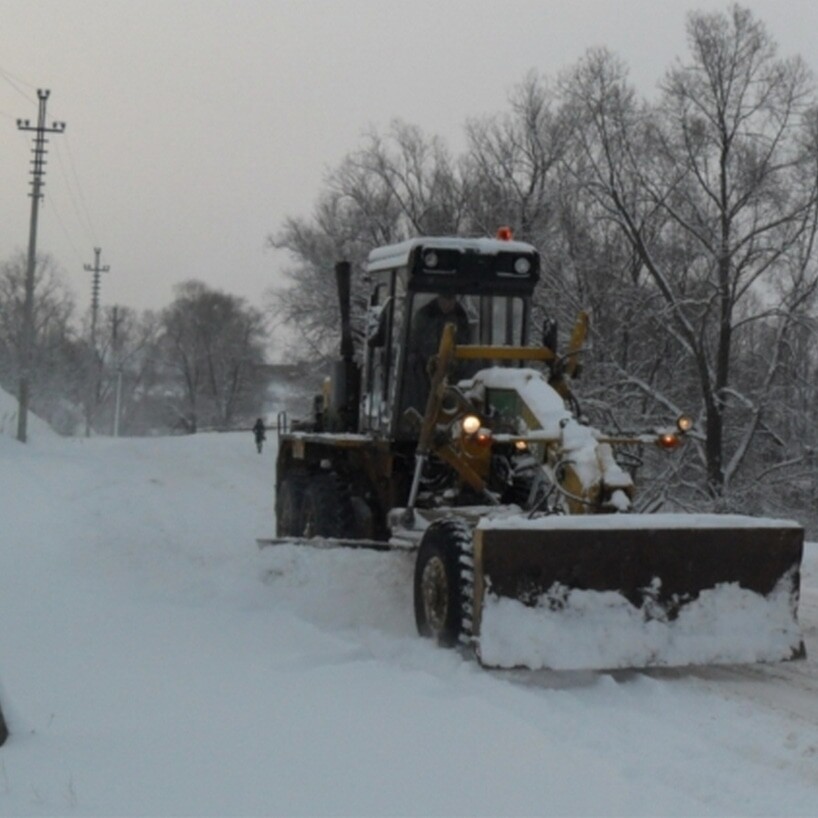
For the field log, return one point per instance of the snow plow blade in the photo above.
(627, 591)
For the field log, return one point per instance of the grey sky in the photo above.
(195, 126)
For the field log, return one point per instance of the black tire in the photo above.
(290, 505)
(444, 583)
(327, 509)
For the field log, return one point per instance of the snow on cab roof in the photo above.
(397, 255)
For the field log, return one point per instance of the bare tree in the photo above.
(308, 304)
(395, 186)
(418, 173)
(126, 368)
(54, 358)
(213, 343)
(715, 188)
(512, 162)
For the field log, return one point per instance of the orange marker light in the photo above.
(505, 233)
(669, 441)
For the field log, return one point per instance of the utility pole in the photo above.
(97, 271)
(94, 361)
(118, 404)
(37, 184)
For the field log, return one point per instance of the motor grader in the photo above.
(519, 513)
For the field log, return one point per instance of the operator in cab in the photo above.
(427, 329)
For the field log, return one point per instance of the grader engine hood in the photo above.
(522, 402)
(523, 396)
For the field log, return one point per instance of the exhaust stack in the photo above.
(346, 377)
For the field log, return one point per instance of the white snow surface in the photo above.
(154, 662)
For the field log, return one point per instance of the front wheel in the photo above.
(444, 583)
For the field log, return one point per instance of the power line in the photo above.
(68, 171)
(80, 191)
(77, 201)
(56, 211)
(13, 82)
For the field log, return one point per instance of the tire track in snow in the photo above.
(787, 688)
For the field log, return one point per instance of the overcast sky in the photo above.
(195, 126)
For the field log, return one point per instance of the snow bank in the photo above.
(154, 662)
(331, 588)
(36, 427)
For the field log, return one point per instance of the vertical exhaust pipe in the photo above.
(346, 381)
(343, 279)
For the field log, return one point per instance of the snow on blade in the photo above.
(622, 522)
(591, 630)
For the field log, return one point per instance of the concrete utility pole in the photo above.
(118, 404)
(94, 362)
(37, 184)
(97, 271)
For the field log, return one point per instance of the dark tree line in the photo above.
(212, 345)
(686, 223)
(196, 364)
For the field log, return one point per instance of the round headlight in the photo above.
(430, 258)
(684, 423)
(522, 265)
(471, 424)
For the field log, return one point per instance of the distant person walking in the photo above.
(259, 432)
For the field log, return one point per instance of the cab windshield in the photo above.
(495, 320)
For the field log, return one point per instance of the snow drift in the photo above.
(154, 662)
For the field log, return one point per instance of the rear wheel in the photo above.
(327, 510)
(290, 505)
(444, 583)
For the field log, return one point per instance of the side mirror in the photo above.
(549, 334)
(377, 319)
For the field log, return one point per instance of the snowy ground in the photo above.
(154, 662)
